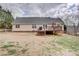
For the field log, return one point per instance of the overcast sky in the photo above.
(29, 9)
(39, 9)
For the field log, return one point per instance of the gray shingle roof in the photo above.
(36, 20)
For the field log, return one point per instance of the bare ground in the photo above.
(37, 45)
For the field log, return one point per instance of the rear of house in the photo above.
(37, 23)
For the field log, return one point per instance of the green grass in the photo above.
(7, 46)
(12, 52)
(60, 44)
(69, 42)
(13, 48)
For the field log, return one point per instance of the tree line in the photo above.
(6, 19)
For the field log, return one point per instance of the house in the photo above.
(37, 24)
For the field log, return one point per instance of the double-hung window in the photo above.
(17, 26)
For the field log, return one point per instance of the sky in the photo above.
(30, 9)
(62, 10)
(39, 9)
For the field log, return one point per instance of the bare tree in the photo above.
(74, 20)
(78, 27)
(75, 29)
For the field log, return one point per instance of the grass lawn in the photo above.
(69, 42)
(30, 44)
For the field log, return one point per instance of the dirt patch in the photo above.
(25, 43)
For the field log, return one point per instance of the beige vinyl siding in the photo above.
(29, 28)
(22, 28)
(25, 28)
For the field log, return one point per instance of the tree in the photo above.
(78, 27)
(6, 19)
(75, 29)
(0, 7)
(72, 20)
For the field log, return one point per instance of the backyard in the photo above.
(29, 44)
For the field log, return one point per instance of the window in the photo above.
(33, 25)
(45, 26)
(17, 26)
